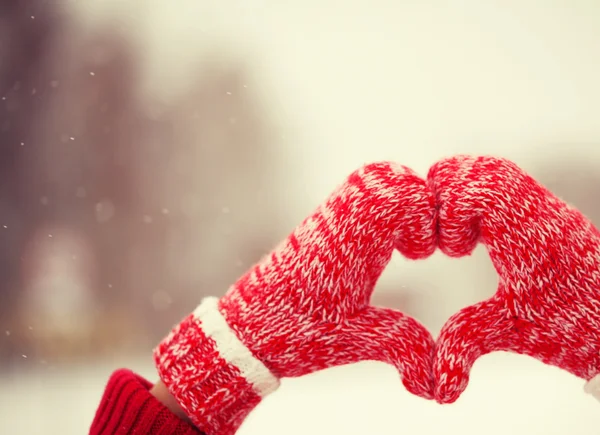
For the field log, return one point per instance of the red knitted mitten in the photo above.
(547, 256)
(305, 306)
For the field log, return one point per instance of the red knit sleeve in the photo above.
(128, 408)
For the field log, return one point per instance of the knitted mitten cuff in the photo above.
(211, 373)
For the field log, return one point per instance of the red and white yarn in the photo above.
(305, 306)
(547, 255)
(232, 350)
(213, 375)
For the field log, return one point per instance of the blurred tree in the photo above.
(66, 113)
(88, 160)
(168, 205)
(94, 135)
(158, 205)
(27, 31)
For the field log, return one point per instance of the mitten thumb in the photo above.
(473, 332)
(390, 336)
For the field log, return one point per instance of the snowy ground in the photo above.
(508, 394)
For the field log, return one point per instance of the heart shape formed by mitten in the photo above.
(547, 255)
(306, 305)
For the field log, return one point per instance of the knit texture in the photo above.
(547, 255)
(128, 408)
(305, 306)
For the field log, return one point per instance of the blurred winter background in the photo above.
(151, 151)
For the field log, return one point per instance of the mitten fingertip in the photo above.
(421, 385)
(449, 387)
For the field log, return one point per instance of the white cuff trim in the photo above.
(593, 387)
(232, 349)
